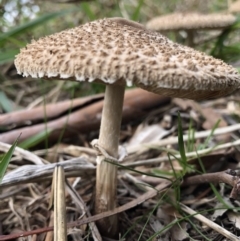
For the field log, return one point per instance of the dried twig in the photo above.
(188, 154)
(4, 147)
(48, 111)
(209, 223)
(230, 177)
(137, 103)
(32, 173)
(218, 177)
(174, 140)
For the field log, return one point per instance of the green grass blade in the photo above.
(231, 53)
(8, 56)
(215, 191)
(149, 217)
(136, 14)
(180, 140)
(236, 25)
(206, 142)
(190, 140)
(12, 33)
(197, 229)
(161, 173)
(34, 140)
(218, 49)
(170, 161)
(88, 11)
(6, 159)
(219, 197)
(136, 171)
(165, 228)
(6, 104)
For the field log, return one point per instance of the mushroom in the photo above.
(118, 52)
(190, 21)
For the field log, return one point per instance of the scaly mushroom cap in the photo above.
(115, 52)
(188, 21)
(234, 7)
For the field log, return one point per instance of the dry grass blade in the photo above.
(209, 223)
(81, 205)
(174, 140)
(60, 224)
(52, 95)
(135, 202)
(4, 147)
(49, 235)
(33, 173)
(188, 154)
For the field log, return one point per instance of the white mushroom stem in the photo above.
(106, 182)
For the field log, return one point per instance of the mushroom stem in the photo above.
(106, 180)
(190, 38)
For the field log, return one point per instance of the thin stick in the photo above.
(4, 147)
(209, 223)
(174, 140)
(60, 224)
(188, 154)
(217, 177)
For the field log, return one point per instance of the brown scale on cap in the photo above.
(114, 52)
(190, 21)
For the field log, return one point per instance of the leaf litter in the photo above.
(26, 205)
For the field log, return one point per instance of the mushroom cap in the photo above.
(190, 21)
(111, 52)
(234, 7)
